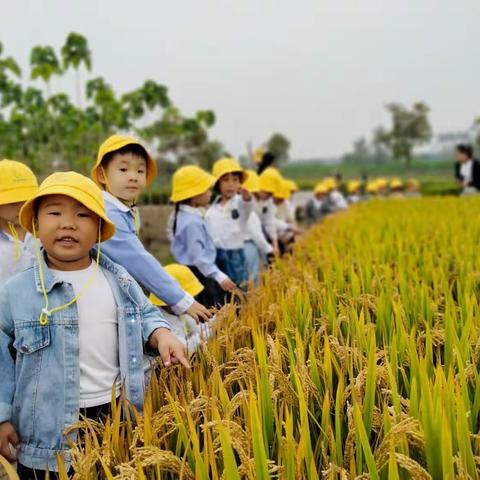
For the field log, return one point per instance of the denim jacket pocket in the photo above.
(31, 337)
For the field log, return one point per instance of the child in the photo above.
(184, 326)
(336, 199)
(265, 207)
(227, 218)
(80, 328)
(396, 188)
(123, 169)
(317, 207)
(258, 252)
(192, 244)
(353, 190)
(412, 188)
(467, 169)
(285, 222)
(17, 184)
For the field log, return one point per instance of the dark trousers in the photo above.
(212, 295)
(94, 413)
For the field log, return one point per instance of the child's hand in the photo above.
(8, 436)
(227, 285)
(246, 195)
(199, 313)
(170, 349)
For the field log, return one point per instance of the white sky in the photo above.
(319, 71)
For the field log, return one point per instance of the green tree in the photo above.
(410, 127)
(279, 145)
(44, 63)
(76, 52)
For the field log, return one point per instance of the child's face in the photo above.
(460, 157)
(229, 185)
(320, 196)
(126, 176)
(201, 200)
(9, 212)
(68, 230)
(262, 195)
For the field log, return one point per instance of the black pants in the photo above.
(94, 413)
(212, 295)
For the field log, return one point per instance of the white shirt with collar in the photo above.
(228, 223)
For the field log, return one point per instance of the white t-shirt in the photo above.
(98, 335)
(466, 171)
(9, 264)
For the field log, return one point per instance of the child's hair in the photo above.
(465, 148)
(132, 149)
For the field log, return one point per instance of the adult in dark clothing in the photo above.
(467, 169)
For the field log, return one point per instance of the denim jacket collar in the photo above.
(50, 280)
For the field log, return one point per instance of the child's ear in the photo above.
(101, 175)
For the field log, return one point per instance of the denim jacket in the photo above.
(40, 372)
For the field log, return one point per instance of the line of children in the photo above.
(82, 326)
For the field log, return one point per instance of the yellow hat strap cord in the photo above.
(14, 233)
(133, 207)
(46, 313)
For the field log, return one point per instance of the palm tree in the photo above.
(75, 52)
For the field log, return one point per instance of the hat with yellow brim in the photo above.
(282, 192)
(75, 186)
(17, 182)
(228, 165)
(321, 188)
(252, 184)
(190, 181)
(116, 142)
(185, 277)
(270, 178)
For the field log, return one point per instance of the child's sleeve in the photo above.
(194, 236)
(269, 221)
(245, 209)
(126, 249)
(7, 372)
(254, 227)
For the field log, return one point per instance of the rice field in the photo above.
(357, 357)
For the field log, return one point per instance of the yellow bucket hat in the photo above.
(17, 182)
(269, 180)
(114, 143)
(73, 185)
(320, 188)
(228, 165)
(292, 185)
(396, 183)
(353, 186)
(282, 191)
(252, 184)
(189, 181)
(185, 277)
(330, 183)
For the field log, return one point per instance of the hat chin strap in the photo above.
(46, 313)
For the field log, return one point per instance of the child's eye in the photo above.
(84, 215)
(141, 172)
(123, 169)
(53, 213)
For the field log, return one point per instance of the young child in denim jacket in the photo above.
(81, 326)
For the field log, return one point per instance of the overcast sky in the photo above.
(319, 71)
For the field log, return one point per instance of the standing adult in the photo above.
(467, 169)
